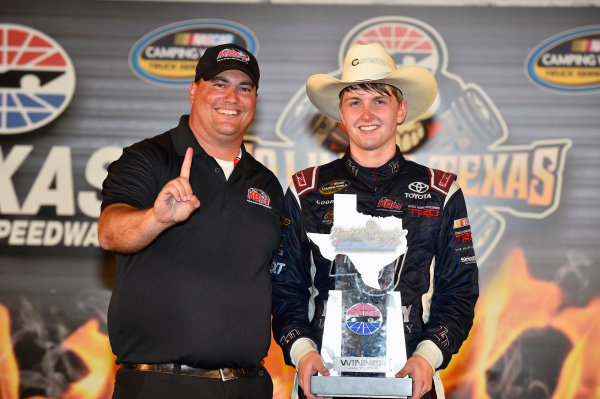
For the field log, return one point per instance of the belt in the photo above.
(224, 374)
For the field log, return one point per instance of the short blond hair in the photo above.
(380, 88)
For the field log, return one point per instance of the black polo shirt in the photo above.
(200, 294)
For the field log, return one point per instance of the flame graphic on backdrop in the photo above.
(282, 375)
(87, 342)
(9, 371)
(511, 304)
(93, 348)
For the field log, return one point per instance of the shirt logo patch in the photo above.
(259, 197)
(458, 223)
(334, 186)
(418, 187)
(283, 221)
(427, 211)
(327, 219)
(389, 205)
(301, 179)
(464, 237)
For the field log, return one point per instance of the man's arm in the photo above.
(450, 316)
(291, 278)
(123, 228)
(456, 286)
(292, 282)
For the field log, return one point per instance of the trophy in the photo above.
(363, 337)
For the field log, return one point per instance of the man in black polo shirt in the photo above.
(194, 220)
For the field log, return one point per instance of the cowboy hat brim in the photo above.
(417, 84)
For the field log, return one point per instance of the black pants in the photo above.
(133, 384)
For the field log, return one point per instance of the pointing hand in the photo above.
(176, 201)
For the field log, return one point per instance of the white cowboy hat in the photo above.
(370, 63)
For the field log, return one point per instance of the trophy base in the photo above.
(360, 387)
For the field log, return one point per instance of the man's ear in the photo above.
(402, 112)
(341, 116)
(193, 87)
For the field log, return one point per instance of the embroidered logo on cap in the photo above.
(259, 197)
(232, 54)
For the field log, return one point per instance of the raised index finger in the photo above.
(187, 163)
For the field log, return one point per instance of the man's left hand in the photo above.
(421, 373)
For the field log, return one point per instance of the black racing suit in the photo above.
(438, 280)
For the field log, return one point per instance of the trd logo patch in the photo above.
(257, 196)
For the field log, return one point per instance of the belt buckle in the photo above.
(228, 374)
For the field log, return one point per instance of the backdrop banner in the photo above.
(516, 119)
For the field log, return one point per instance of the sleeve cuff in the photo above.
(431, 353)
(300, 348)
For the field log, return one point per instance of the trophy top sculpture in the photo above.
(370, 242)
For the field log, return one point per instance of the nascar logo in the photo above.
(568, 62)
(169, 54)
(257, 196)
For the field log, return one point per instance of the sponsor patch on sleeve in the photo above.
(464, 236)
(441, 181)
(458, 223)
(305, 180)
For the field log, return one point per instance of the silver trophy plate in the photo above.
(360, 387)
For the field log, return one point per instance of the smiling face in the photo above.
(222, 109)
(371, 118)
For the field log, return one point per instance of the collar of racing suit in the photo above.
(384, 172)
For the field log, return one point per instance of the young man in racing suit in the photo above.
(438, 277)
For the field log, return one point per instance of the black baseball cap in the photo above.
(224, 57)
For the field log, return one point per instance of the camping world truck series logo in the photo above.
(568, 62)
(37, 79)
(169, 54)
